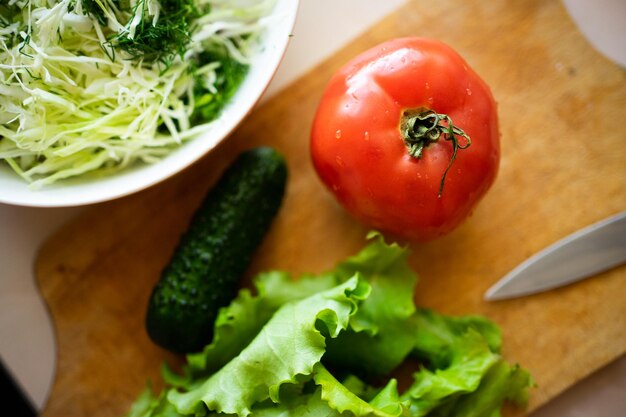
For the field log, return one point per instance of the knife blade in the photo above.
(582, 254)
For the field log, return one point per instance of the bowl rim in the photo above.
(76, 193)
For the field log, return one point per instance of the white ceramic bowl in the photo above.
(76, 192)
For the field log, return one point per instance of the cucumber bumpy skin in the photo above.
(211, 257)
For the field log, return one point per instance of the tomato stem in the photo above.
(425, 127)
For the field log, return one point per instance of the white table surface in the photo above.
(27, 344)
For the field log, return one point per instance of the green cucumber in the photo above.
(206, 267)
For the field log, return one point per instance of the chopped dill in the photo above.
(92, 8)
(163, 41)
(24, 44)
(151, 40)
(8, 15)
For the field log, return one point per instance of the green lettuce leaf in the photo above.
(340, 398)
(286, 349)
(460, 355)
(149, 405)
(501, 382)
(469, 362)
(380, 335)
(303, 405)
(436, 336)
(239, 323)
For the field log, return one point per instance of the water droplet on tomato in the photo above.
(427, 86)
(469, 92)
(338, 134)
(366, 136)
(340, 161)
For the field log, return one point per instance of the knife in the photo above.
(582, 254)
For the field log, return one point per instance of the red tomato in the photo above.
(405, 95)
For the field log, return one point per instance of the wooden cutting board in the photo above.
(562, 111)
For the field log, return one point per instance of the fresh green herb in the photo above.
(6, 13)
(164, 40)
(96, 9)
(317, 346)
(210, 98)
(9, 18)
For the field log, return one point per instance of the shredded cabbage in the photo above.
(89, 85)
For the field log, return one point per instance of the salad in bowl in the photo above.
(101, 98)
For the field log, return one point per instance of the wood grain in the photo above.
(562, 109)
